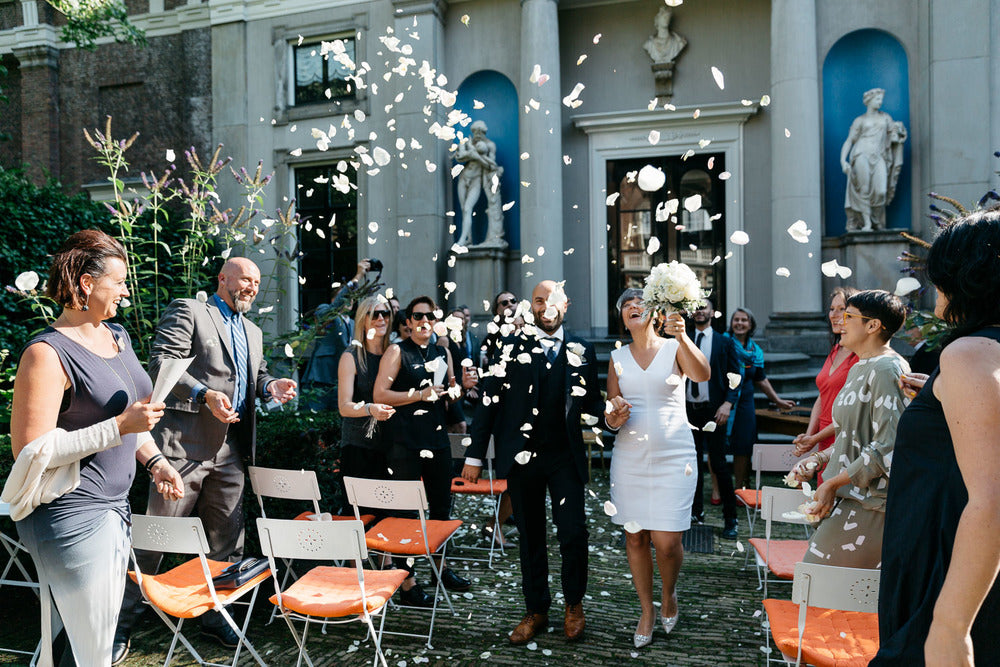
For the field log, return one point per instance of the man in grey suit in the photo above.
(208, 428)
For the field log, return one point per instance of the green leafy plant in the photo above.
(89, 20)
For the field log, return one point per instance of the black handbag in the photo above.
(240, 573)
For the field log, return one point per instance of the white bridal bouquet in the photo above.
(673, 287)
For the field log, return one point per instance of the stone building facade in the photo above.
(759, 144)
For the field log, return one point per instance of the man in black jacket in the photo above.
(708, 406)
(542, 382)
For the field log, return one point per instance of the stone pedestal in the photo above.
(479, 275)
(873, 256)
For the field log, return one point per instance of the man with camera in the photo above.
(319, 381)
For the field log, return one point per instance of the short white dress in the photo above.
(653, 464)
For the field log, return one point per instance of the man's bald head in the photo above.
(548, 305)
(239, 282)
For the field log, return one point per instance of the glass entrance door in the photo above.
(696, 237)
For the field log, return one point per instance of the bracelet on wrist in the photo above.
(152, 461)
(368, 409)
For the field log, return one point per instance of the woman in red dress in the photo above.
(829, 381)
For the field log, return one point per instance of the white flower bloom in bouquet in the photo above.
(673, 287)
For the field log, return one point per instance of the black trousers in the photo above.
(527, 484)
(715, 444)
(407, 464)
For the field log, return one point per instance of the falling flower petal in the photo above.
(654, 137)
(720, 80)
(465, 19)
(426, 454)
(381, 156)
(765, 100)
(651, 178)
(735, 379)
(523, 457)
(632, 527)
(906, 285)
(171, 156)
(740, 237)
(709, 427)
(288, 350)
(571, 99)
(597, 38)
(783, 272)
(692, 203)
(609, 508)
(688, 470)
(653, 246)
(612, 198)
(799, 231)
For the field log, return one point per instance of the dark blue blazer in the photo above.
(723, 360)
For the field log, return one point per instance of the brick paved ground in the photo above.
(718, 626)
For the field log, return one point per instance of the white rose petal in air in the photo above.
(288, 350)
(431, 167)
(26, 281)
(720, 80)
(765, 100)
(609, 508)
(782, 271)
(799, 231)
(612, 198)
(381, 156)
(654, 137)
(709, 427)
(735, 379)
(725, 176)
(653, 245)
(632, 527)
(688, 470)
(171, 156)
(906, 285)
(426, 454)
(692, 203)
(651, 178)
(202, 297)
(523, 457)
(124, 303)
(577, 390)
(740, 237)
(571, 100)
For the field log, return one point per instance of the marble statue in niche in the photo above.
(480, 174)
(663, 48)
(871, 158)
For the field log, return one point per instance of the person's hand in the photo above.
(471, 473)
(363, 267)
(826, 496)
(619, 414)
(674, 326)
(948, 646)
(381, 411)
(472, 394)
(803, 443)
(282, 390)
(221, 407)
(432, 393)
(167, 480)
(470, 377)
(802, 471)
(912, 383)
(722, 414)
(140, 417)
(784, 404)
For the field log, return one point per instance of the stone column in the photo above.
(541, 138)
(421, 200)
(795, 169)
(39, 67)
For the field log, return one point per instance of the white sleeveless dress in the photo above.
(653, 464)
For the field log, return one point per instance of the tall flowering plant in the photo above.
(672, 288)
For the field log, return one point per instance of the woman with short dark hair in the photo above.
(939, 601)
(80, 419)
(851, 500)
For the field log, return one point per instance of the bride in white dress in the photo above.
(653, 465)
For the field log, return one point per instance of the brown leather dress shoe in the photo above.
(528, 628)
(574, 624)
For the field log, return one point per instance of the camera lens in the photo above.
(374, 264)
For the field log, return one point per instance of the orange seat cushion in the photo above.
(403, 536)
(832, 638)
(365, 518)
(183, 593)
(783, 555)
(333, 592)
(482, 486)
(749, 497)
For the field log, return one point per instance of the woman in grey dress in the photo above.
(81, 402)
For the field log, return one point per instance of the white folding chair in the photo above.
(15, 550)
(488, 486)
(187, 590)
(839, 605)
(343, 593)
(765, 458)
(410, 538)
(778, 557)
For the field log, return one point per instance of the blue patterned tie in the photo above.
(550, 351)
(239, 339)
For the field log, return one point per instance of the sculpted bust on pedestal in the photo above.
(663, 48)
(871, 157)
(481, 173)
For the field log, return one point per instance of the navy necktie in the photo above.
(694, 385)
(551, 352)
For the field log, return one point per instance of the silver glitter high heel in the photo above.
(670, 622)
(641, 640)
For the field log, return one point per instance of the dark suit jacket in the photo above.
(724, 359)
(190, 328)
(511, 403)
(323, 363)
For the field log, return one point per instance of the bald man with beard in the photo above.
(541, 383)
(209, 428)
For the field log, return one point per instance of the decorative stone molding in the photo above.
(403, 8)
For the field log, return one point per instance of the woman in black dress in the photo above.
(939, 603)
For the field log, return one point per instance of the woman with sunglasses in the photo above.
(504, 309)
(411, 378)
(851, 499)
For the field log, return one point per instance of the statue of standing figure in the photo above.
(481, 173)
(872, 157)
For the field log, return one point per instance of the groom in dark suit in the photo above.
(541, 383)
(708, 406)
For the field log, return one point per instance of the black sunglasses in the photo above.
(384, 314)
(423, 316)
(508, 302)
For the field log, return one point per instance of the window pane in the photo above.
(316, 72)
